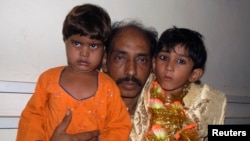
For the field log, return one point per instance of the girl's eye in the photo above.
(76, 44)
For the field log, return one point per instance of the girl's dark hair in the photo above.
(191, 40)
(87, 20)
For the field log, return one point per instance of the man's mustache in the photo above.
(127, 79)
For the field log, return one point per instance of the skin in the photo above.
(129, 57)
(174, 69)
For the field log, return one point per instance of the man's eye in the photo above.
(119, 58)
(141, 59)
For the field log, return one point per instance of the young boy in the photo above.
(92, 97)
(181, 109)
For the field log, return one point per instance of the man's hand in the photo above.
(61, 135)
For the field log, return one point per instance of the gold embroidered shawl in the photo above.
(205, 106)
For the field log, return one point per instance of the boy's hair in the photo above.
(87, 20)
(150, 33)
(191, 40)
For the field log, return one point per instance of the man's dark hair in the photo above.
(150, 33)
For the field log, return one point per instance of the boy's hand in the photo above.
(61, 135)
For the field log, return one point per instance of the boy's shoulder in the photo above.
(205, 88)
(204, 91)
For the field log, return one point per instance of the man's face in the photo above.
(129, 62)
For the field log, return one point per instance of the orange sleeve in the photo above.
(32, 120)
(118, 123)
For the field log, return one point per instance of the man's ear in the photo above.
(104, 63)
(196, 75)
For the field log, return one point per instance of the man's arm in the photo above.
(61, 135)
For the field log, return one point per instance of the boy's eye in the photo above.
(180, 61)
(93, 45)
(162, 57)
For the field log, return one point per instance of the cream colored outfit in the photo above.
(205, 106)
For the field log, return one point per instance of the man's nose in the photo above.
(130, 68)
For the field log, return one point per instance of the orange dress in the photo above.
(104, 111)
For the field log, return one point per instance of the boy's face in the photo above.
(83, 54)
(173, 69)
(129, 62)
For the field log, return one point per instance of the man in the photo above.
(128, 60)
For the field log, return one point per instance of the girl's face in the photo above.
(83, 54)
(173, 69)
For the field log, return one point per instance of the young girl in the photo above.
(93, 97)
(179, 108)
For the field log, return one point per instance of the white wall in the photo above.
(31, 39)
